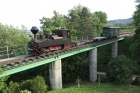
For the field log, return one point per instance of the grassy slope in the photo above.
(104, 88)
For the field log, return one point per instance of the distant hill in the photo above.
(120, 22)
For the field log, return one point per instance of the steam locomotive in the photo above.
(60, 39)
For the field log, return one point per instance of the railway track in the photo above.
(18, 61)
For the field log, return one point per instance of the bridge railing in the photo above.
(11, 51)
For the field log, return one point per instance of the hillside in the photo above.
(120, 22)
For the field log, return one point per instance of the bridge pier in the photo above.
(55, 74)
(93, 65)
(114, 49)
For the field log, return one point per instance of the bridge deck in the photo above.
(41, 61)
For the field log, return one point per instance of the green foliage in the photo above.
(10, 36)
(58, 20)
(100, 21)
(13, 87)
(103, 57)
(16, 40)
(75, 66)
(120, 70)
(135, 46)
(25, 91)
(86, 23)
(3, 85)
(80, 21)
(36, 85)
(136, 16)
(124, 47)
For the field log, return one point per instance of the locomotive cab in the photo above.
(64, 33)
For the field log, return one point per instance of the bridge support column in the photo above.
(55, 74)
(114, 49)
(93, 65)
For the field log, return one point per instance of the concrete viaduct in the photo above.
(55, 68)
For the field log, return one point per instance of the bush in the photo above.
(120, 70)
(36, 85)
(25, 91)
(13, 87)
(3, 85)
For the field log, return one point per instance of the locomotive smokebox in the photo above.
(34, 30)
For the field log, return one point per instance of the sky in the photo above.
(28, 12)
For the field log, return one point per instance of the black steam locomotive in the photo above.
(60, 39)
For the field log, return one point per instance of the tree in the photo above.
(74, 20)
(13, 87)
(86, 23)
(10, 36)
(25, 91)
(120, 70)
(102, 17)
(58, 20)
(35, 85)
(100, 20)
(134, 48)
(136, 16)
(80, 19)
(3, 85)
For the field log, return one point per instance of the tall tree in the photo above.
(136, 16)
(86, 23)
(58, 20)
(80, 19)
(100, 21)
(135, 46)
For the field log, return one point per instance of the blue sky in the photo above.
(28, 12)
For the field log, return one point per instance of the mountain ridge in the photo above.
(120, 22)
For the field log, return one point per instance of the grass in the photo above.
(95, 88)
(127, 31)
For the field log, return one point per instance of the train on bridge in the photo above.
(60, 39)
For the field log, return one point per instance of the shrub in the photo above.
(120, 70)
(25, 91)
(35, 85)
(13, 87)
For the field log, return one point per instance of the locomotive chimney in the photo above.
(34, 30)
